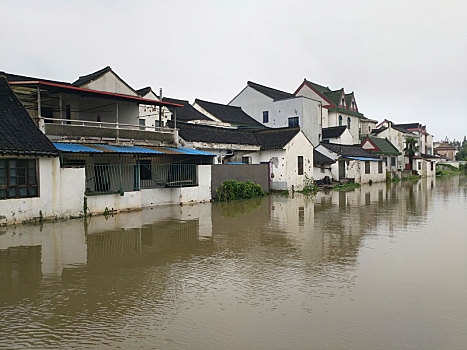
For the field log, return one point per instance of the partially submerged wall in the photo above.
(257, 173)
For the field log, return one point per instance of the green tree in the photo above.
(411, 148)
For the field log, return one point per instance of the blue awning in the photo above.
(129, 149)
(74, 147)
(362, 158)
(192, 151)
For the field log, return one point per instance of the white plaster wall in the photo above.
(321, 173)
(298, 146)
(72, 186)
(306, 91)
(307, 110)
(398, 140)
(277, 158)
(110, 83)
(346, 138)
(20, 209)
(333, 118)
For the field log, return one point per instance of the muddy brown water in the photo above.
(381, 267)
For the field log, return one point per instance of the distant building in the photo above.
(384, 149)
(445, 149)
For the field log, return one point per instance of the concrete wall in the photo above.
(61, 193)
(257, 173)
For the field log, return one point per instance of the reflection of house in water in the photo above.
(20, 266)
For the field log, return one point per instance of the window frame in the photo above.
(300, 165)
(380, 167)
(367, 167)
(340, 120)
(26, 177)
(293, 122)
(265, 116)
(393, 161)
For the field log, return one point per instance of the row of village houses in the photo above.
(98, 144)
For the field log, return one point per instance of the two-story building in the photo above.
(339, 108)
(278, 109)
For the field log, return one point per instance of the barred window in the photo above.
(18, 178)
(367, 166)
(380, 167)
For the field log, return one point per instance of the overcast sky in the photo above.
(405, 60)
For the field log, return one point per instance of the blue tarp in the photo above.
(129, 149)
(192, 151)
(74, 147)
(362, 158)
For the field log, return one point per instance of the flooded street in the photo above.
(381, 267)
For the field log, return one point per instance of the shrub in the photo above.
(231, 190)
(310, 186)
(346, 187)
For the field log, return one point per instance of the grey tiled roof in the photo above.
(273, 93)
(347, 150)
(229, 114)
(19, 135)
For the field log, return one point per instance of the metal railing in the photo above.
(93, 124)
(121, 178)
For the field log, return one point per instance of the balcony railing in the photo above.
(121, 178)
(72, 128)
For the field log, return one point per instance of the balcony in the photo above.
(83, 130)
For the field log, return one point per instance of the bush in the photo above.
(231, 190)
(310, 186)
(346, 187)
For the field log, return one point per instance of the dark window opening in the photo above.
(145, 169)
(348, 122)
(68, 114)
(102, 177)
(393, 161)
(293, 121)
(300, 165)
(340, 120)
(18, 178)
(265, 117)
(246, 160)
(48, 114)
(367, 166)
(380, 167)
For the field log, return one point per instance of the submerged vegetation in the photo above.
(411, 178)
(232, 190)
(310, 186)
(448, 169)
(346, 187)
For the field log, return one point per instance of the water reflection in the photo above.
(200, 274)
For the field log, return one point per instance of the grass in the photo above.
(447, 169)
(346, 187)
(411, 178)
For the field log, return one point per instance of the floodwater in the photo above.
(376, 268)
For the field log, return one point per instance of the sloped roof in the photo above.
(347, 150)
(187, 112)
(84, 79)
(271, 138)
(19, 135)
(204, 133)
(318, 87)
(275, 138)
(229, 114)
(395, 127)
(385, 146)
(270, 92)
(334, 96)
(142, 92)
(333, 131)
(16, 77)
(321, 159)
(409, 126)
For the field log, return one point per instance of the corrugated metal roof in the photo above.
(362, 158)
(129, 149)
(192, 151)
(74, 147)
(99, 148)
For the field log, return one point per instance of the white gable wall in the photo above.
(109, 82)
(307, 110)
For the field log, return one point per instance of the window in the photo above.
(431, 166)
(265, 117)
(145, 169)
(367, 166)
(142, 124)
(246, 160)
(293, 121)
(348, 122)
(393, 161)
(419, 165)
(343, 101)
(340, 120)
(48, 114)
(380, 167)
(18, 178)
(300, 165)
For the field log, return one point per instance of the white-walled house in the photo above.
(353, 163)
(322, 166)
(277, 109)
(338, 134)
(287, 150)
(339, 108)
(425, 140)
(383, 148)
(397, 136)
(150, 115)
